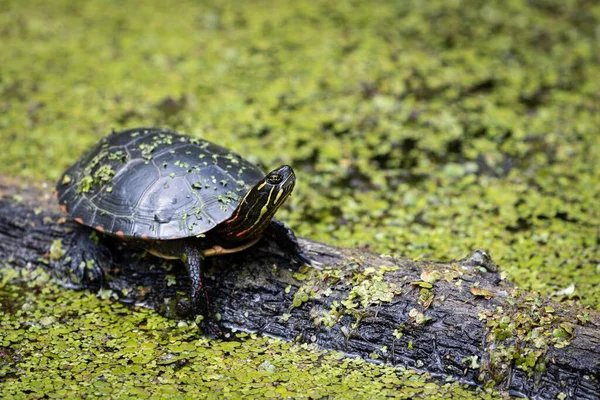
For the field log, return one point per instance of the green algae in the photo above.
(422, 129)
(56, 251)
(66, 344)
(419, 129)
(523, 337)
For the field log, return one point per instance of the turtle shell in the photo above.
(154, 183)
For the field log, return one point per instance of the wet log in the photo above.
(457, 319)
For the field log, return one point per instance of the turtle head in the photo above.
(259, 205)
(273, 189)
(264, 199)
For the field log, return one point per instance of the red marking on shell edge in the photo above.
(79, 220)
(99, 228)
(64, 208)
(120, 234)
(144, 237)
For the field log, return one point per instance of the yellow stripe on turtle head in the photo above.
(265, 208)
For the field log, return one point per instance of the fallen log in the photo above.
(458, 320)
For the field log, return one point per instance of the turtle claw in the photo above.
(302, 258)
(85, 261)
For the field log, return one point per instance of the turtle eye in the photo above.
(274, 179)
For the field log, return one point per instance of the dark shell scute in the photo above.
(128, 187)
(156, 183)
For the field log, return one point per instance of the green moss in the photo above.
(419, 129)
(56, 251)
(369, 289)
(366, 289)
(96, 174)
(522, 337)
(424, 129)
(64, 344)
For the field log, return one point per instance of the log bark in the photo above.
(468, 324)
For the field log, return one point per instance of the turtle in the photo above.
(176, 196)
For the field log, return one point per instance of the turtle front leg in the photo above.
(193, 261)
(285, 238)
(85, 261)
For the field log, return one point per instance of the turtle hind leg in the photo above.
(285, 238)
(85, 260)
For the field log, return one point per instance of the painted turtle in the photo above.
(177, 196)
